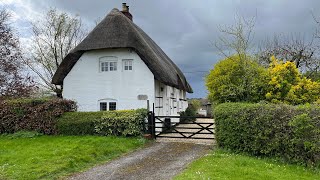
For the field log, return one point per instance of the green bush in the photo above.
(122, 123)
(78, 123)
(289, 132)
(190, 111)
(32, 114)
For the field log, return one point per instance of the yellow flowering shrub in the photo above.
(287, 84)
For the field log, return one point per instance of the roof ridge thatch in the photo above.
(118, 31)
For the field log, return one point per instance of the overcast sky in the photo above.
(184, 29)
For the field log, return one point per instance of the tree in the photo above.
(236, 39)
(314, 75)
(13, 81)
(288, 85)
(235, 44)
(195, 104)
(226, 82)
(53, 37)
(295, 49)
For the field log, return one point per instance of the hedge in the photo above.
(122, 122)
(32, 114)
(118, 123)
(78, 123)
(57, 116)
(288, 132)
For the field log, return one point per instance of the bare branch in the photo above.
(54, 37)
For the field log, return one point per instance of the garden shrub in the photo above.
(289, 132)
(237, 78)
(32, 114)
(288, 85)
(78, 123)
(190, 111)
(122, 122)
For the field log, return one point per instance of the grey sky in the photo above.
(184, 29)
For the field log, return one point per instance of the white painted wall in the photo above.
(169, 101)
(88, 86)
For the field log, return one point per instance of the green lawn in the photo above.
(51, 157)
(224, 165)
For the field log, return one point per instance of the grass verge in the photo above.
(221, 164)
(52, 157)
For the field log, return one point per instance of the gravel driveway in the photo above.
(162, 160)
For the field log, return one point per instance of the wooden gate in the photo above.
(190, 127)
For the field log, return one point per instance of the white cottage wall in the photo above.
(88, 85)
(169, 101)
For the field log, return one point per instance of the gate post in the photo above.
(151, 124)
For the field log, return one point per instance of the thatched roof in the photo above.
(117, 31)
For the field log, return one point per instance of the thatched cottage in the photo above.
(118, 66)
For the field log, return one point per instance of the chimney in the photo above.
(125, 11)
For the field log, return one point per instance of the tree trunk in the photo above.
(58, 91)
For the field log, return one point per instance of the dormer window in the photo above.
(127, 64)
(108, 63)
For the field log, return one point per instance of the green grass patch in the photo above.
(222, 164)
(52, 157)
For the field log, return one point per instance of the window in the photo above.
(108, 66)
(104, 66)
(112, 106)
(103, 106)
(108, 63)
(113, 66)
(127, 64)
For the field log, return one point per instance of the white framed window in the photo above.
(108, 63)
(112, 106)
(127, 64)
(104, 66)
(113, 66)
(103, 106)
(108, 66)
(108, 106)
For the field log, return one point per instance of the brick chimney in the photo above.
(125, 11)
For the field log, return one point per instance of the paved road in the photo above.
(162, 160)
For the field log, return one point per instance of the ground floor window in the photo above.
(111, 106)
(103, 106)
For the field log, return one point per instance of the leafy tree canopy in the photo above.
(237, 78)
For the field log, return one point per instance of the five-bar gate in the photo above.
(190, 127)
